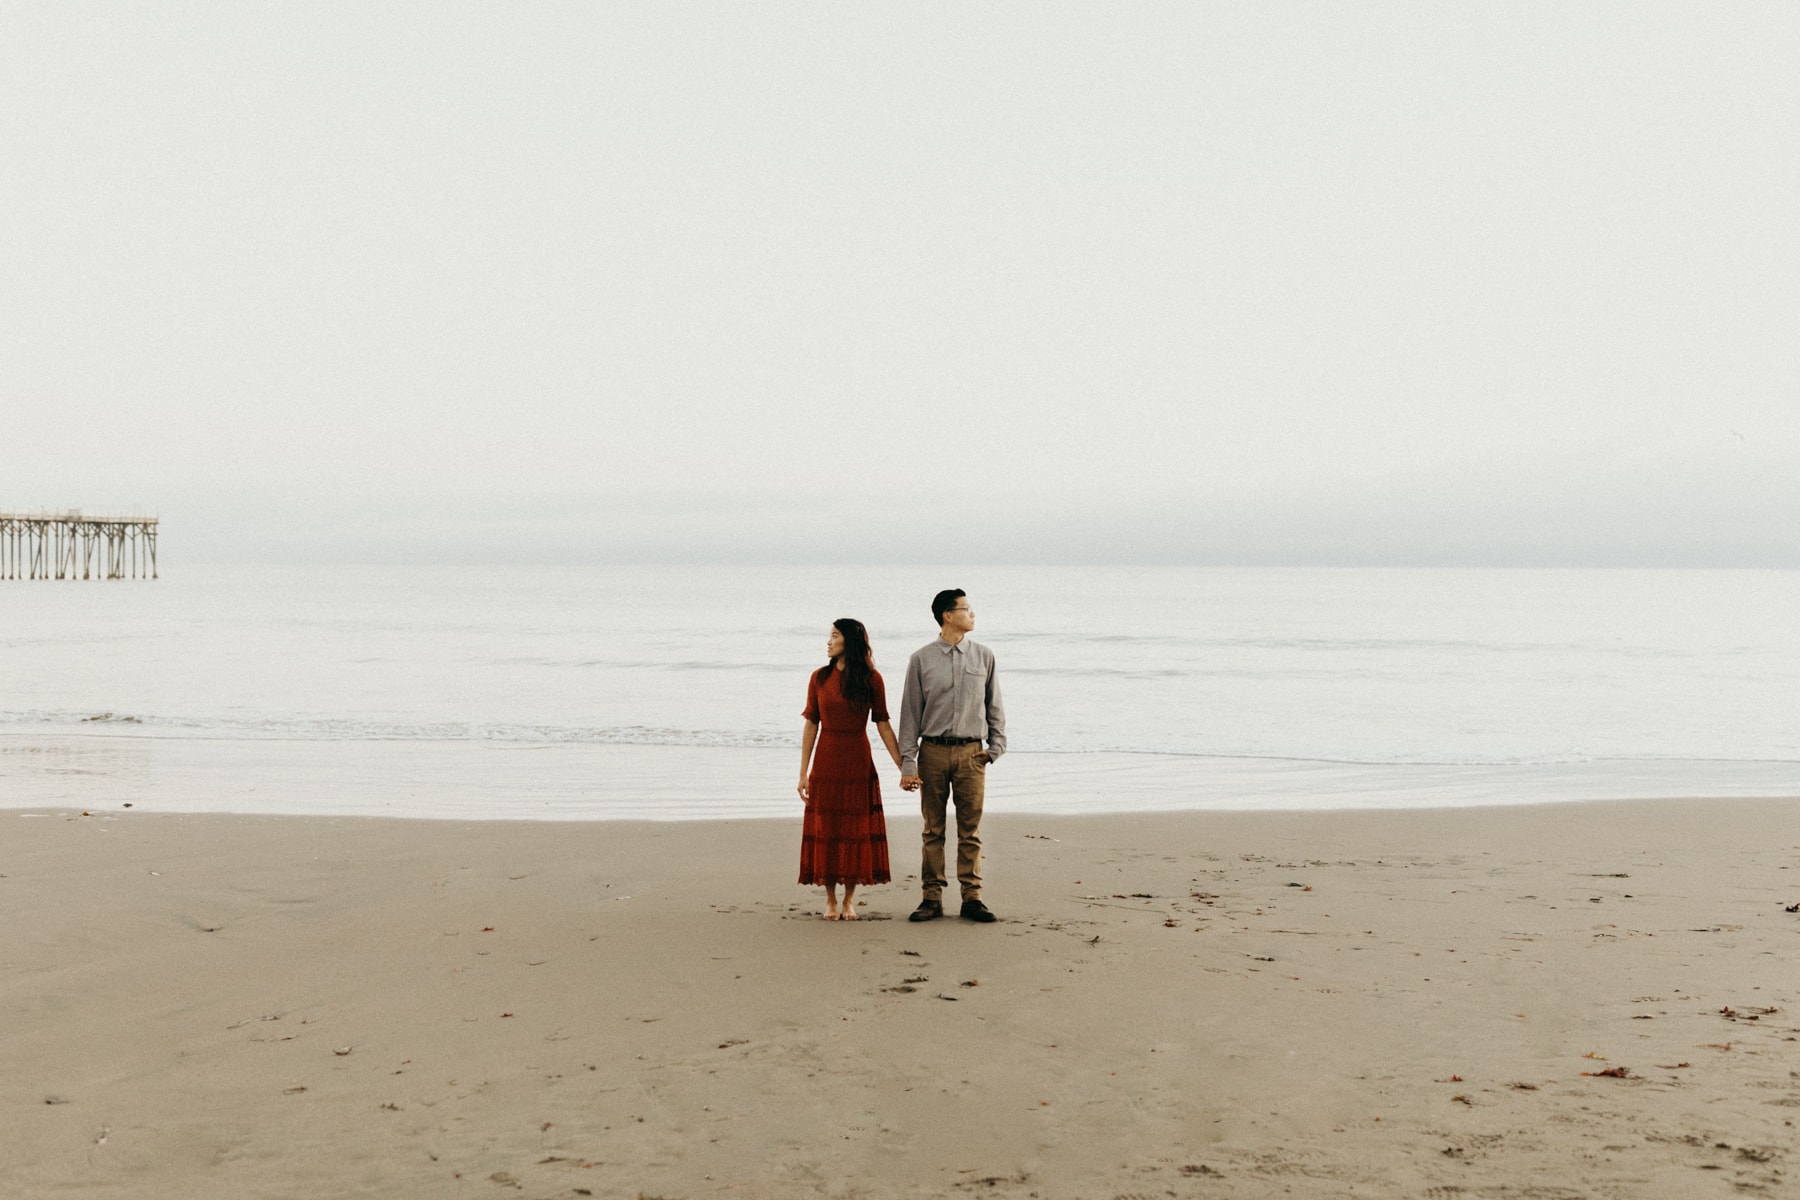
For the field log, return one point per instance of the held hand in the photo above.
(910, 783)
(802, 789)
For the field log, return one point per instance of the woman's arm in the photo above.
(809, 733)
(889, 740)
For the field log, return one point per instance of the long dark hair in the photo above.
(859, 662)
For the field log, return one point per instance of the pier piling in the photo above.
(72, 545)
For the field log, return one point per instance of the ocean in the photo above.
(592, 692)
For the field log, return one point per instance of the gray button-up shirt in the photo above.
(951, 691)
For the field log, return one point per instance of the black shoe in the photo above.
(975, 910)
(929, 910)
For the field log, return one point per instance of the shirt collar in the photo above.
(947, 648)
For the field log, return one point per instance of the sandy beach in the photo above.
(1584, 1000)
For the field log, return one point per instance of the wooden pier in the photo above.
(72, 545)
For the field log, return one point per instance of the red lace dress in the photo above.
(844, 839)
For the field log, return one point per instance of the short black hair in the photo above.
(944, 601)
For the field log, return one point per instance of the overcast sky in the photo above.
(1251, 282)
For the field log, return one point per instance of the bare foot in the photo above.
(849, 913)
(830, 914)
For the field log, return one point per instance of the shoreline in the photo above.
(577, 781)
(1229, 1004)
(905, 814)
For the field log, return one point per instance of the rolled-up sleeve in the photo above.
(912, 717)
(996, 712)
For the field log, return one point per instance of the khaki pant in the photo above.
(944, 772)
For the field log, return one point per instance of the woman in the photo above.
(844, 838)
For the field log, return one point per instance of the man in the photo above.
(950, 707)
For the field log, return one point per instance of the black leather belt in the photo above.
(949, 741)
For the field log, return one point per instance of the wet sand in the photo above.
(1584, 1000)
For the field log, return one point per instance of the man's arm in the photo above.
(912, 717)
(996, 713)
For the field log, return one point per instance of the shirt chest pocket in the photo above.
(974, 674)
